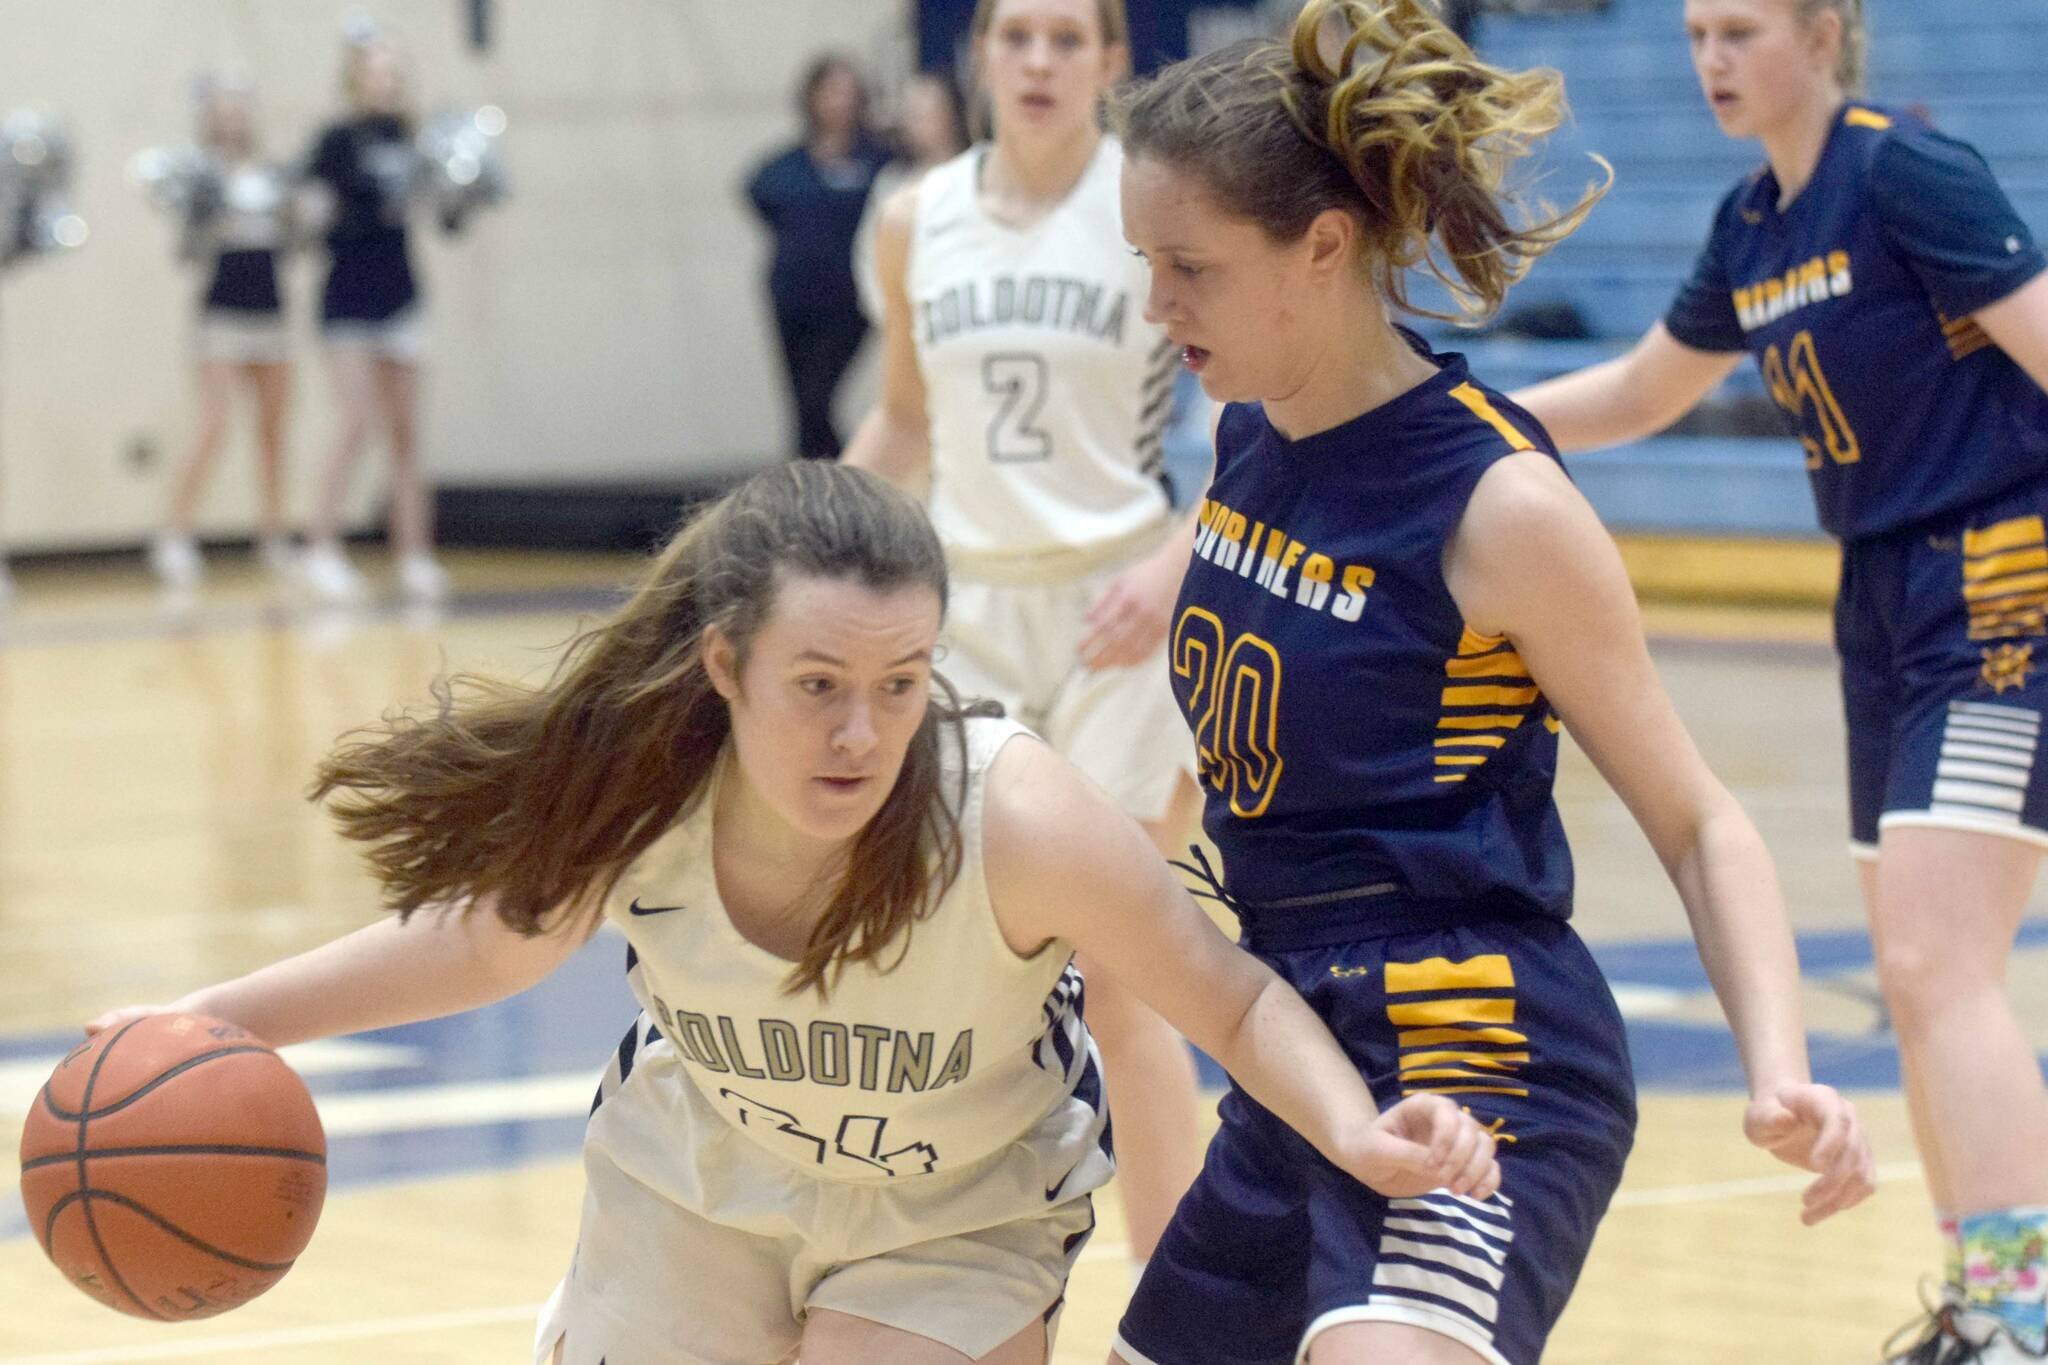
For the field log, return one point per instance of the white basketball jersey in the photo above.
(1047, 390)
(922, 1062)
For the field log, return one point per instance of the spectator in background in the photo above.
(812, 196)
(931, 128)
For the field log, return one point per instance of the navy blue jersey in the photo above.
(1366, 756)
(1856, 298)
(370, 165)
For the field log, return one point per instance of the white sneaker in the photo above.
(1950, 1334)
(1992, 1341)
(174, 559)
(278, 556)
(421, 579)
(329, 575)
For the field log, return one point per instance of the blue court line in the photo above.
(570, 1024)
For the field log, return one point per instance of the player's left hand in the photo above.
(1130, 617)
(1814, 1128)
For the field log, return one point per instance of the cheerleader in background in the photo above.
(237, 220)
(361, 179)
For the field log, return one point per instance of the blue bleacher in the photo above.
(1977, 68)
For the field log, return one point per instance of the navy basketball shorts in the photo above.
(1940, 629)
(1274, 1245)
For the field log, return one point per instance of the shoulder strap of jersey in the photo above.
(947, 190)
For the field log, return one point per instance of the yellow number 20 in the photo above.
(1233, 699)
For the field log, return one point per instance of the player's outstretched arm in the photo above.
(1063, 862)
(1629, 397)
(1576, 627)
(441, 961)
(894, 439)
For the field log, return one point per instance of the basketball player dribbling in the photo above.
(860, 1116)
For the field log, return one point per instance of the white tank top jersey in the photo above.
(918, 1064)
(1047, 390)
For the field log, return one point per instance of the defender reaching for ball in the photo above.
(860, 1116)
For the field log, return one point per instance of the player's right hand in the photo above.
(1425, 1143)
(127, 1014)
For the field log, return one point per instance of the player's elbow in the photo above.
(1229, 1032)
(891, 444)
(504, 961)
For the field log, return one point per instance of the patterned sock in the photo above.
(1951, 1250)
(2005, 1267)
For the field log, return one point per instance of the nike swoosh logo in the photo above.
(1054, 1192)
(638, 909)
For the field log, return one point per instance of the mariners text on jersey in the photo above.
(1268, 556)
(1823, 277)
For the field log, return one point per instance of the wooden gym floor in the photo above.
(153, 837)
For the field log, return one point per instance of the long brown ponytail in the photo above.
(1377, 109)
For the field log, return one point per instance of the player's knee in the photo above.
(1917, 975)
(1387, 1343)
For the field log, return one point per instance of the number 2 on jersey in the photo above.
(1233, 696)
(1019, 379)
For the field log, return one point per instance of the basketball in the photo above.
(173, 1167)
